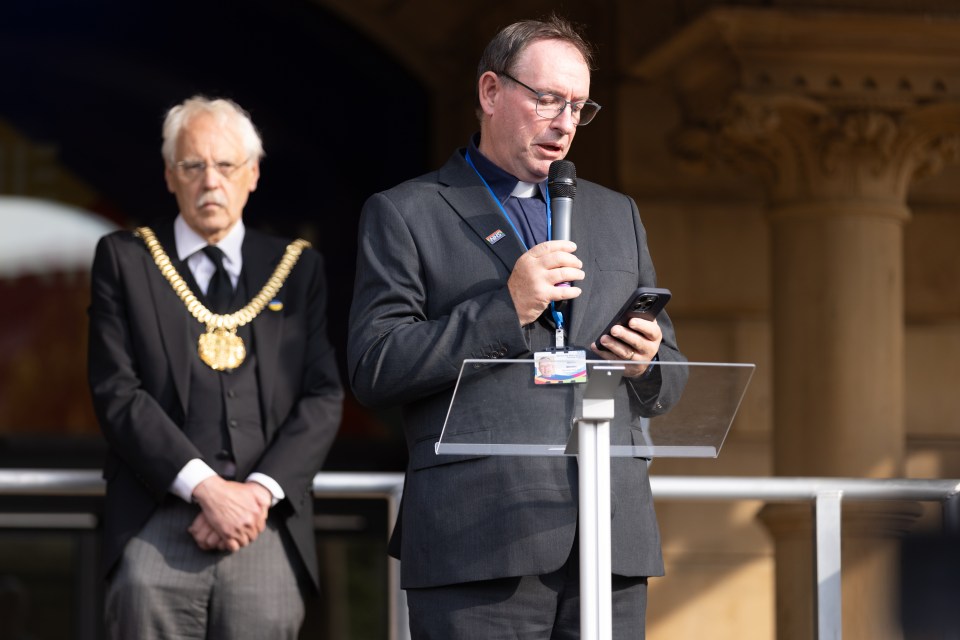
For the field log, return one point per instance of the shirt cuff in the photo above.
(192, 474)
(269, 484)
(651, 366)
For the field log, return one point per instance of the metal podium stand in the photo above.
(695, 403)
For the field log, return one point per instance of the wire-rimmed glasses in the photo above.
(193, 169)
(550, 105)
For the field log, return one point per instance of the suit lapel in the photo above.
(475, 205)
(173, 322)
(267, 328)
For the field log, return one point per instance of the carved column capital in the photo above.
(820, 106)
(806, 149)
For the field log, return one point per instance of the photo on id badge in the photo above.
(560, 367)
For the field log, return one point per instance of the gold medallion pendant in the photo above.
(221, 349)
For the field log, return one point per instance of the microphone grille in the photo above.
(562, 179)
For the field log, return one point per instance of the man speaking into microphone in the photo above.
(460, 264)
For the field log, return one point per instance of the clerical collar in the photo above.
(501, 183)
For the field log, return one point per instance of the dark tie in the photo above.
(219, 291)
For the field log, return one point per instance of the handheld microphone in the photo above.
(562, 187)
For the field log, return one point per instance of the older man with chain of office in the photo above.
(218, 394)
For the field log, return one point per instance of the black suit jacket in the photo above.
(431, 291)
(139, 366)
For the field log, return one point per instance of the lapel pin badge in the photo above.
(496, 236)
(275, 305)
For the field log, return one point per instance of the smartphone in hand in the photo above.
(645, 302)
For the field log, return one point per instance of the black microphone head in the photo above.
(562, 179)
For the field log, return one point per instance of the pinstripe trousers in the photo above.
(167, 588)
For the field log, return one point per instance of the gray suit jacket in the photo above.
(430, 292)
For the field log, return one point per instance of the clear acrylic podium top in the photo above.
(686, 412)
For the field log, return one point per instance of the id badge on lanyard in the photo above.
(559, 364)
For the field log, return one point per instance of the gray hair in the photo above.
(502, 52)
(224, 110)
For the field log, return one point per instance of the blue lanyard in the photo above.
(557, 316)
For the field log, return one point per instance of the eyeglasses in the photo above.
(193, 169)
(550, 106)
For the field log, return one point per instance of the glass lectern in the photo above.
(674, 410)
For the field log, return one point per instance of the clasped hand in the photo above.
(232, 514)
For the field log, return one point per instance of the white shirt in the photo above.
(189, 249)
(189, 245)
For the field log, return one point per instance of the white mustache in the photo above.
(211, 198)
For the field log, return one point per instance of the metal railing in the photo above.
(826, 494)
(87, 484)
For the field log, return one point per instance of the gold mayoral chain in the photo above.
(220, 347)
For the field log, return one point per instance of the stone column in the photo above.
(836, 177)
(836, 114)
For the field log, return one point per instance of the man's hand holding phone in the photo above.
(634, 334)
